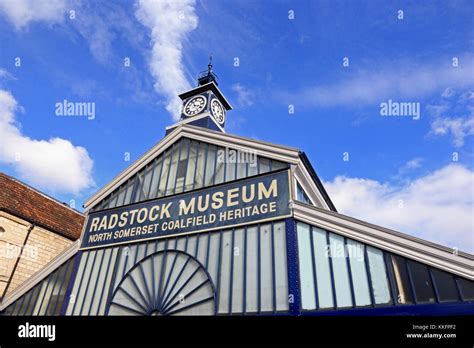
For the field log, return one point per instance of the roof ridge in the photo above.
(62, 204)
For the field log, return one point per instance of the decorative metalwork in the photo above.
(165, 283)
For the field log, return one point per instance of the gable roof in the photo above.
(21, 200)
(305, 176)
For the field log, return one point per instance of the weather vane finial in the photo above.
(209, 66)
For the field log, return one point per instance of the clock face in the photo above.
(217, 111)
(194, 106)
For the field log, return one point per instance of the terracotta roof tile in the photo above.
(29, 204)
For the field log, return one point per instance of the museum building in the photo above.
(208, 223)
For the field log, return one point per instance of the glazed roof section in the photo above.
(268, 150)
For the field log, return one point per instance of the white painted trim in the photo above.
(411, 247)
(195, 118)
(50, 267)
(303, 177)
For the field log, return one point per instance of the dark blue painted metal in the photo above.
(293, 267)
(432, 309)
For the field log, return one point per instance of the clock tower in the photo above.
(204, 106)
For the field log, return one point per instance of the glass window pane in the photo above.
(323, 274)
(281, 269)
(306, 267)
(220, 166)
(164, 173)
(121, 196)
(467, 289)
(421, 282)
(146, 183)
(266, 271)
(182, 166)
(252, 270)
(276, 165)
(210, 165)
(225, 272)
(301, 195)
(230, 165)
(138, 187)
(238, 276)
(174, 164)
(378, 276)
(264, 165)
(128, 194)
(446, 285)
(193, 151)
(360, 280)
(340, 272)
(241, 169)
(155, 179)
(199, 176)
(402, 280)
(253, 165)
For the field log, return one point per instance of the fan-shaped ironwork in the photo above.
(165, 283)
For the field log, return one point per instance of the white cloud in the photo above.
(55, 164)
(453, 116)
(244, 96)
(459, 128)
(22, 12)
(377, 85)
(438, 207)
(170, 23)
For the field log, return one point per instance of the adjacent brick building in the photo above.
(34, 228)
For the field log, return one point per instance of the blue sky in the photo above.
(401, 172)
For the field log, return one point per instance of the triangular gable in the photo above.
(279, 154)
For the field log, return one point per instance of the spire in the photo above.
(207, 76)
